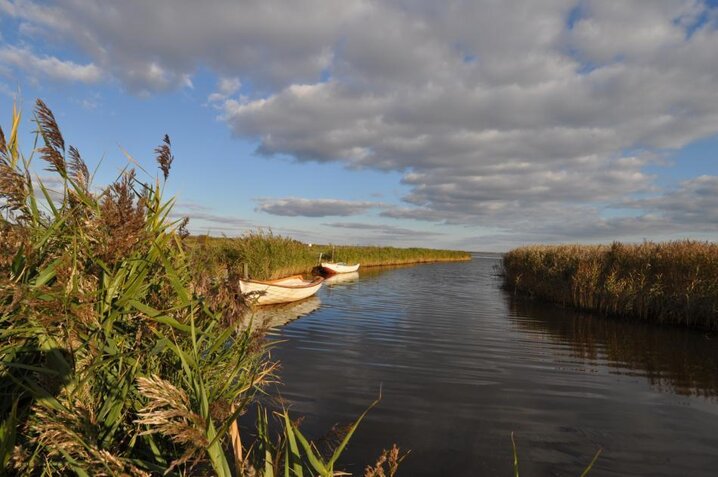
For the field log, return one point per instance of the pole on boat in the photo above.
(245, 270)
(320, 257)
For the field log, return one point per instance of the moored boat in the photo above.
(283, 290)
(332, 268)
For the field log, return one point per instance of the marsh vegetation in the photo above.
(116, 356)
(672, 282)
(271, 256)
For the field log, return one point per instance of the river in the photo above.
(462, 364)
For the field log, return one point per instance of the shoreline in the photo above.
(407, 263)
(268, 256)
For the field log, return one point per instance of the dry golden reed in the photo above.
(671, 282)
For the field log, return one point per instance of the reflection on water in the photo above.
(672, 359)
(341, 279)
(462, 364)
(271, 316)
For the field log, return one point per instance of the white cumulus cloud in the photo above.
(536, 118)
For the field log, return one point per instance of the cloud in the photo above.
(300, 207)
(158, 46)
(229, 86)
(49, 66)
(538, 126)
(688, 210)
(692, 205)
(226, 87)
(204, 220)
(536, 119)
(382, 231)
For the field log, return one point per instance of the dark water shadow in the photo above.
(672, 359)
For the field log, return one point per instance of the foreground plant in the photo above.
(114, 360)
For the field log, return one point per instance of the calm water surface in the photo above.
(462, 364)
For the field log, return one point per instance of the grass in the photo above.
(673, 282)
(274, 256)
(116, 356)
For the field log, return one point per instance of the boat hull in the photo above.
(334, 268)
(285, 290)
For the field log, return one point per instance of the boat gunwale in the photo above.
(343, 264)
(274, 283)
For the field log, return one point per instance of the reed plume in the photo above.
(3, 145)
(168, 412)
(54, 149)
(386, 465)
(164, 156)
(78, 168)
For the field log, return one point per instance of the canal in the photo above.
(461, 364)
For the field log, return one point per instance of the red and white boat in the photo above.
(332, 268)
(283, 290)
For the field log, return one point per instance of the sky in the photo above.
(473, 125)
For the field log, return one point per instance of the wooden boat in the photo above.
(283, 290)
(332, 268)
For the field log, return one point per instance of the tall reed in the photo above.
(672, 282)
(115, 359)
(273, 256)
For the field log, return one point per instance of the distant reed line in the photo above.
(671, 282)
(273, 256)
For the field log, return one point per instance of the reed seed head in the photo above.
(164, 156)
(78, 168)
(53, 151)
(48, 126)
(12, 188)
(3, 145)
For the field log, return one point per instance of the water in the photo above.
(461, 364)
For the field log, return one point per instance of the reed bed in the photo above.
(672, 282)
(269, 256)
(117, 358)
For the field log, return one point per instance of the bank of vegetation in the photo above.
(268, 255)
(117, 356)
(673, 282)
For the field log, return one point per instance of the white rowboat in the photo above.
(332, 268)
(284, 290)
